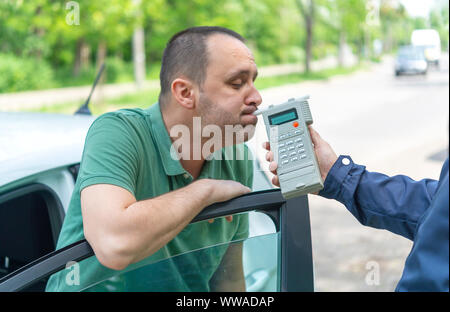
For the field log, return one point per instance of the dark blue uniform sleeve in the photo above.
(377, 200)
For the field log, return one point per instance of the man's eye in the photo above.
(237, 85)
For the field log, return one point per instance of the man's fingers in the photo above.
(273, 166)
(228, 218)
(275, 181)
(227, 189)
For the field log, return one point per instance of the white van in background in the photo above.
(430, 41)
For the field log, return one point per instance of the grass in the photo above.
(140, 99)
(270, 82)
(145, 98)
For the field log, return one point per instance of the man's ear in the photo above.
(183, 92)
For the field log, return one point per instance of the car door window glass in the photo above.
(247, 263)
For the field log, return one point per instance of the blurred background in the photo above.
(60, 44)
(376, 71)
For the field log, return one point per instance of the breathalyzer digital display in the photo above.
(286, 116)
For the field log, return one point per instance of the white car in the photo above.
(411, 60)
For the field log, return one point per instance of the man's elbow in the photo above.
(111, 253)
(112, 262)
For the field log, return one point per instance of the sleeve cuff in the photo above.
(336, 176)
(104, 180)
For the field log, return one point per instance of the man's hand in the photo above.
(326, 157)
(225, 190)
(228, 218)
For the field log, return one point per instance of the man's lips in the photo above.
(248, 110)
(247, 115)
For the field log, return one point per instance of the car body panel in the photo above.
(429, 40)
(32, 143)
(411, 60)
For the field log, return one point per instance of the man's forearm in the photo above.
(229, 276)
(148, 225)
(122, 230)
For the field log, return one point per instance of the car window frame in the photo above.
(290, 216)
(55, 208)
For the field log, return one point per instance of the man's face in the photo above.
(228, 95)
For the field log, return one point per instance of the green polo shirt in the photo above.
(130, 148)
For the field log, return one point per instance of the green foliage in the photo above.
(117, 70)
(43, 32)
(396, 26)
(64, 77)
(439, 20)
(19, 74)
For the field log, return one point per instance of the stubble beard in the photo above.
(211, 114)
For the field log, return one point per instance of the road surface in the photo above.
(394, 125)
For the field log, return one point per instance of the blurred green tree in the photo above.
(72, 38)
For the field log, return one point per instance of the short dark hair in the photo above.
(186, 54)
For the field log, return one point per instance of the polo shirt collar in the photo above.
(172, 166)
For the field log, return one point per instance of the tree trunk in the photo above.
(367, 48)
(308, 45)
(360, 49)
(139, 56)
(308, 13)
(39, 32)
(341, 56)
(82, 55)
(101, 57)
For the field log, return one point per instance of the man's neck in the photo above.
(192, 164)
(194, 167)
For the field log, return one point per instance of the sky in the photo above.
(418, 8)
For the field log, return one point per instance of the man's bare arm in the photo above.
(122, 230)
(229, 276)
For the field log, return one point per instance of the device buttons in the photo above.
(284, 162)
(299, 145)
(283, 156)
(289, 142)
(298, 140)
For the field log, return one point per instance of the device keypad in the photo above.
(292, 150)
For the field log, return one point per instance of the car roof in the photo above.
(35, 142)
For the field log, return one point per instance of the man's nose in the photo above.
(254, 98)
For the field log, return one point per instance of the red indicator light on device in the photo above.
(295, 124)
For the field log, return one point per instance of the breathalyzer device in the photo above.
(287, 130)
